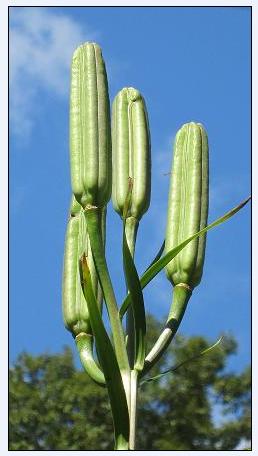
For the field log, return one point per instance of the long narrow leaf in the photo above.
(135, 290)
(108, 361)
(189, 360)
(137, 303)
(162, 262)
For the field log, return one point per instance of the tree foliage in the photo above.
(54, 406)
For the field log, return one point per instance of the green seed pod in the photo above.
(188, 204)
(130, 159)
(75, 311)
(90, 136)
(130, 152)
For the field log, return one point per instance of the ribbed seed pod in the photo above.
(130, 152)
(90, 135)
(188, 204)
(187, 214)
(75, 311)
(130, 159)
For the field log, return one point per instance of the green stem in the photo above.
(131, 228)
(84, 343)
(94, 231)
(133, 409)
(115, 387)
(181, 296)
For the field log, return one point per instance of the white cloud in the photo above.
(41, 46)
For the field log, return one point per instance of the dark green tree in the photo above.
(54, 406)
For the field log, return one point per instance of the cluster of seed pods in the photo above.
(102, 167)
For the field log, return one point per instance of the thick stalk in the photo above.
(133, 409)
(181, 296)
(94, 231)
(131, 228)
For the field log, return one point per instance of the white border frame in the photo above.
(4, 4)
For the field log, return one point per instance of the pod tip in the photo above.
(192, 125)
(84, 46)
(131, 93)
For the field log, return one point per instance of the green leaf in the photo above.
(137, 303)
(189, 360)
(153, 270)
(135, 290)
(108, 361)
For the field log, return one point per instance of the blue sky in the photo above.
(190, 64)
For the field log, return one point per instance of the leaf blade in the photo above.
(152, 271)
(108, 360)
(137, 304)
(192, 358)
